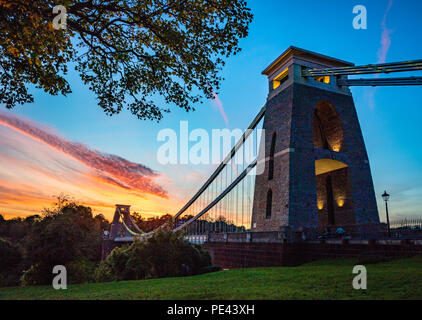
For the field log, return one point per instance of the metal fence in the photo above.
(412, 224)
(400, 230)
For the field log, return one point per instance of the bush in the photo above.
(70, 236)
(81, 271)
(10, 261)
(36, 274)
(137, 267)
(124, 263)
(10, 256)
(104, 273)
(78, 271)
(112, 268)
(165, 254)
(170, 255)
(66, 235)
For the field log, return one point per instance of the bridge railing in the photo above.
(414, 224)
(409, 229)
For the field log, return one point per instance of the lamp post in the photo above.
(386, 197)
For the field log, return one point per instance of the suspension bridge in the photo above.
(301, 167)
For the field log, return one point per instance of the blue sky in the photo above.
(389, 116)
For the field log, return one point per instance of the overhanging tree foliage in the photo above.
(126, 51)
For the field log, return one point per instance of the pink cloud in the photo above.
(107, 167)
(385, 36)
(217, 102)
(382, 52)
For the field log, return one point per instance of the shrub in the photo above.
(68, 235)
(113, 267)
(78, 271)
(10, 256)
(37, 274)
(103, 273)
(170, 255)
(63, 236)
(165, 254)
(137, 267)
(124, 263)
(10, 261)
(81, 271)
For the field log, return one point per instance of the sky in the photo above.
(67, 145)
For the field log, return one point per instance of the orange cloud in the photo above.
(108, 167)
(36, 166)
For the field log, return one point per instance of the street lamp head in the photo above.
(385, 196)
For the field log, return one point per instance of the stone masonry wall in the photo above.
(250, 255)
(294, 185)
(343, 204)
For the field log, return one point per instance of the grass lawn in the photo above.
(331, 279)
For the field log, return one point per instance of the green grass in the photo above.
(331, 279)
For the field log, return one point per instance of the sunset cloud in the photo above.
(108, 167)
(219, 105)
(382, 53)
(385, 36)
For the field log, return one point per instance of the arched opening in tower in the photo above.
(334, 200)
(327, 129)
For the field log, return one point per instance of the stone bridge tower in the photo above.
(317, 172)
